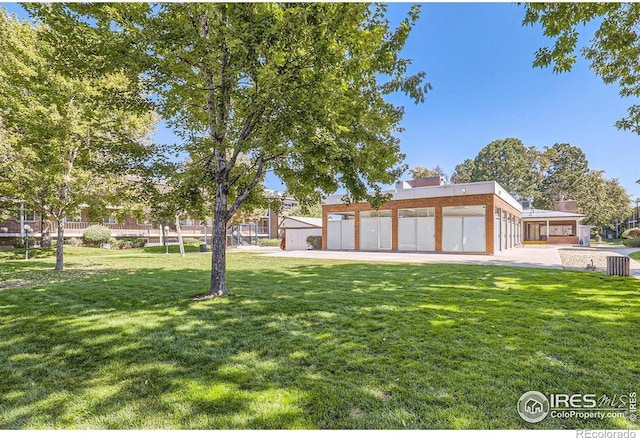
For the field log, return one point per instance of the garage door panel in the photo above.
(426, 234)
(348, 235)
(385, 232)
(334, 235)
(407, 234)
(452, 234)
(474, 239)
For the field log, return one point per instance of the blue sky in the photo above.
(478, 57)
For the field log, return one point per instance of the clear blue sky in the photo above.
(478, 57)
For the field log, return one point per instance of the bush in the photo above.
(315, 242)
(631, 233)
(96, 234)
(74, 241)
(269, 242)
(632, 243)
(190, 241)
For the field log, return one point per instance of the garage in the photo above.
(297, 229)
(463, 228)
(375, 230)
(341, 231)
(417, 229)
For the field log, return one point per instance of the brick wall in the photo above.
(489, 200)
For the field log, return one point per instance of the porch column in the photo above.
(547, 230)
(578, 230)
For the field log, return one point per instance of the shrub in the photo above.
(315, 241)
(632, 243)
(190, 241)
(631, 233)
(96, 234)
(74, 241)
(269, 242)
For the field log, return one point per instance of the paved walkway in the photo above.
(546, 256)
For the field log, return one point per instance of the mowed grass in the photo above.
(116, 343)
(635, 256)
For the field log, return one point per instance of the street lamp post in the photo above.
(166, 240)
(26, 229)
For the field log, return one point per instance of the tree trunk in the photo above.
(60, 246)
(179, 231)
(219, 246)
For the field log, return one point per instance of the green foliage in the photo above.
(564, 170)
(96, 234)
(602, 200)
(315, 241)
(294, 88)
(613, 49)
(632, 243)
(631, 233)
(269, 242)
(74, 242)
(558, 171)
(463, 172)
(508, 162)
(423, 172)
(76, 134)
(190, 241)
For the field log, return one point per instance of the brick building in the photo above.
(424, 215)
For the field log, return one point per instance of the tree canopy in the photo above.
(557, 172)
(297, 89)
(70, 136)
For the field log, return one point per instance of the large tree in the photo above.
(612, 51)
(298, 89)
(69, 141)
(514, 166)
(603, 201)
(564, 170)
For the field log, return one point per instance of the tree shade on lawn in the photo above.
(113, 343)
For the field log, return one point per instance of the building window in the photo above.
(29, 216)
(109, 220)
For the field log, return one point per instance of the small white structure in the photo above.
(297, 229)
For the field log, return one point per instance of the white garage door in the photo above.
(297, 238)
(463, 229)
(341, 231)
(375, 230)
(416, 229)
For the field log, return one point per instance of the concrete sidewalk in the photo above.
(529, 257)
(546, 256)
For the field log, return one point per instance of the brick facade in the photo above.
(490, 201)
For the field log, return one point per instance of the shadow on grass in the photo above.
(306, 345)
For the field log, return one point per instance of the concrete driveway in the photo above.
(546, 256)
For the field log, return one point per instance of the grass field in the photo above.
(635, 256)
(115, 342)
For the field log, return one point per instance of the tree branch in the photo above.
(247, 191)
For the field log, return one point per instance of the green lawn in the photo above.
(635, 255)
(115, 342)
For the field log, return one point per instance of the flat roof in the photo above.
(447, 190)
(534, 213)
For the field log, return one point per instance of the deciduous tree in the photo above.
(71, 137)
(297, 88)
